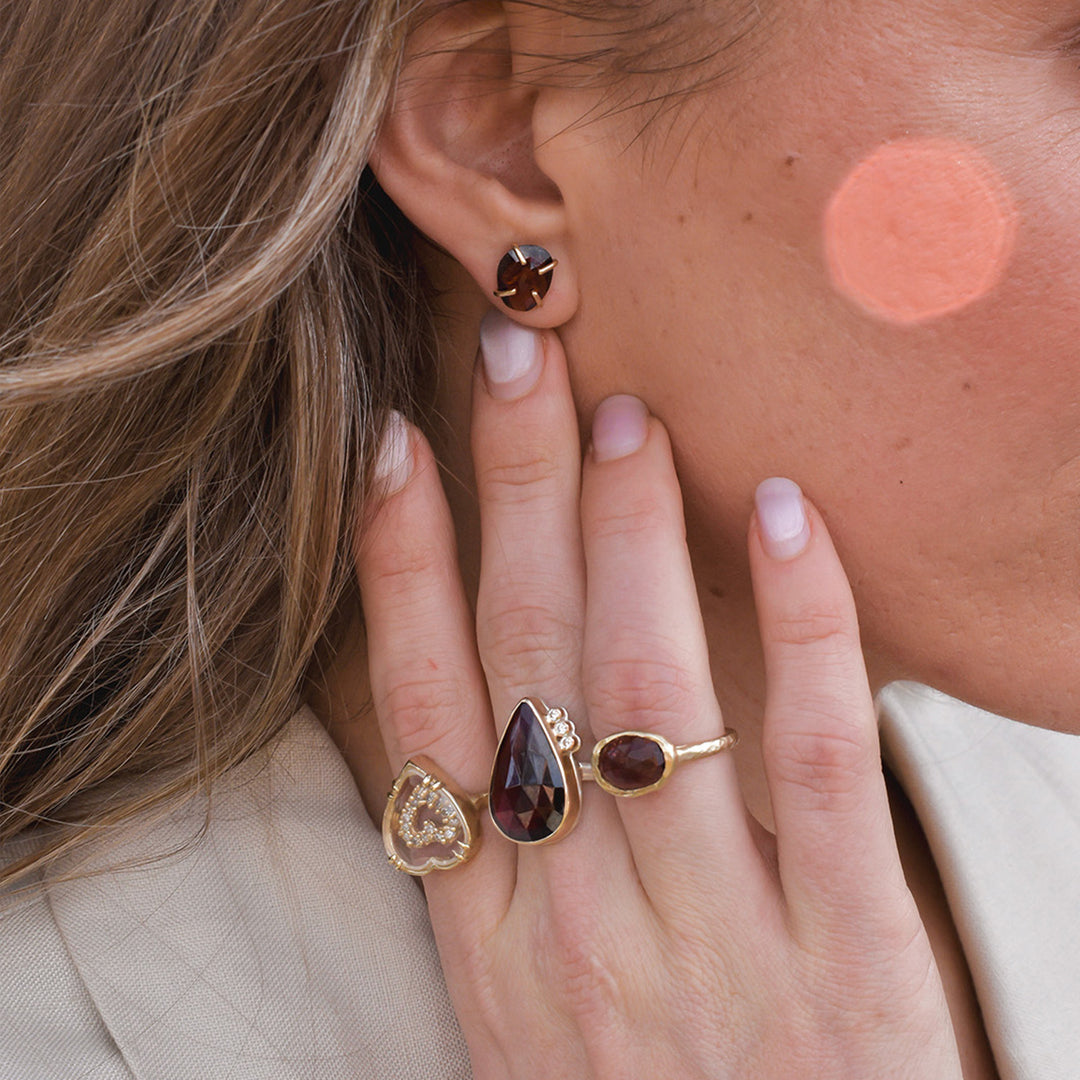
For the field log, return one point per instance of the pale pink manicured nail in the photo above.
(394, 463)
(513, 356)
(781, 517)
(620, 426)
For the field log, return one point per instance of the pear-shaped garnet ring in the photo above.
(535, 791)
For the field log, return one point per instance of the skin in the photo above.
(942, 454)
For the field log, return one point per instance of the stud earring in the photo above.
(524, 276)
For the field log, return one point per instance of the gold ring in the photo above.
(631, 763)
(429, 823)
(535, 791)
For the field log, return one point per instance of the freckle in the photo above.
(747, 217)
(968, 386)
(716, 591)
(920, 229)
(681, 219)
(791, 159)
(902, 444)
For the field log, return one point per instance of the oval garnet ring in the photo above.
(631, 763)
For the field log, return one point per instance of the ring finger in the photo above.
(646, 661)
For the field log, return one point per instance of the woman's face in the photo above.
(928, 400)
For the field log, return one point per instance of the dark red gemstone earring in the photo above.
(524, 276)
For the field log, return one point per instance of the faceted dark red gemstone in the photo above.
(631, 762)
(525, 276)
(528, 785)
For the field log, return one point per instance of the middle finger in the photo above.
(531, 600)
(525, 447)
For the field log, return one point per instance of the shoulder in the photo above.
(49, 1025)
(262, 924)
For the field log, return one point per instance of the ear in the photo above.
(456, 153)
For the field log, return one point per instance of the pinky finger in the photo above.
(836, 848)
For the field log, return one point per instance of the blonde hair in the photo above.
(202, 336)
(207, 311)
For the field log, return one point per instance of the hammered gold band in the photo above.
(632, 763)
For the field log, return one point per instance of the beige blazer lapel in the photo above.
(1000, 805)
(280, 945)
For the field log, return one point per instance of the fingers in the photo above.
(527, 461)
(426, 681)
(646, 662)
(837, 854)
(531, 600)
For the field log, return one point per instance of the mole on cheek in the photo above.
(919, 229)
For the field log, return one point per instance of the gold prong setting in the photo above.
(524, 276)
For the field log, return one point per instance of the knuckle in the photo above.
(653, 689)
(399, 571)
(576, 961)
(643, 515)
(418, 710)
(588, 983)
(511, 481)
(890, 973)
(526, 635)
(826, 767)
(830, 629)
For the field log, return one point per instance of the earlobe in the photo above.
(456, 154)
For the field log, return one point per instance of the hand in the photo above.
(668, 935)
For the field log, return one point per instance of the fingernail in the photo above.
(513, 356)
(620, 426)
(394, 463)
(781, 516)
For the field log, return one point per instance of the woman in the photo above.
(825, 242)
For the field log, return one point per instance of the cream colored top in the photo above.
(282, 946)
(1000, 805)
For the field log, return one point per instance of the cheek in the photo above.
(918, 230)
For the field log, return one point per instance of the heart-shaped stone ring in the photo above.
(429, 823)
(535, 792)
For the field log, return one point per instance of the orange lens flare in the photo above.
(920, 229)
